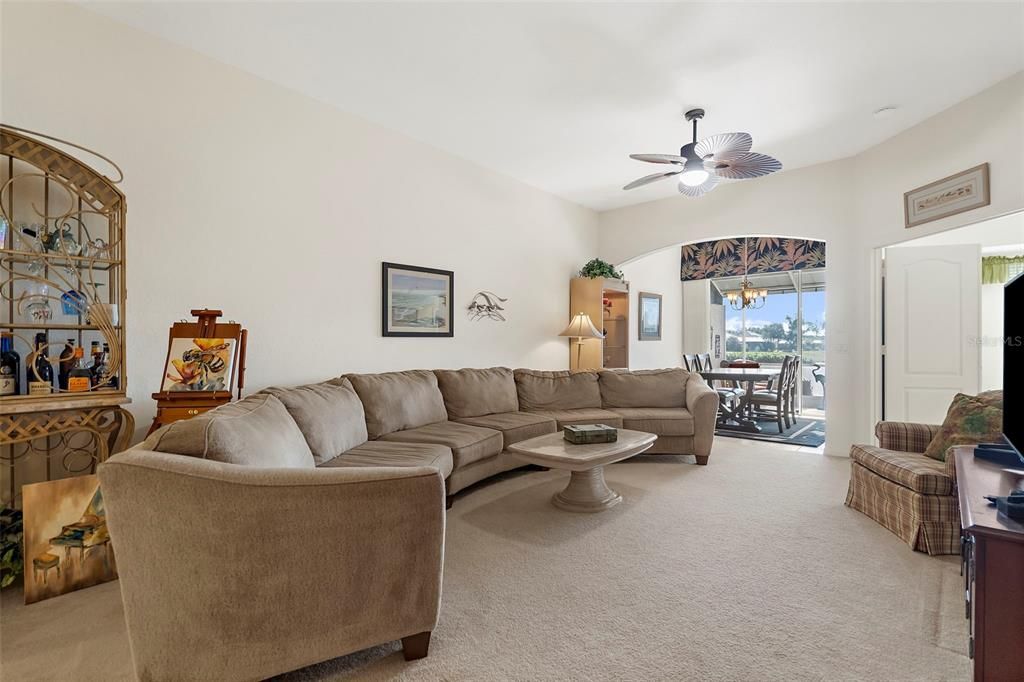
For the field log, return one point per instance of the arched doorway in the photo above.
(760, 299)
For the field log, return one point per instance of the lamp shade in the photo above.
(582, 328)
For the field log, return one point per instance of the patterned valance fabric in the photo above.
(726, 257)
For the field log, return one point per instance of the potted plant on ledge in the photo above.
(597, 268)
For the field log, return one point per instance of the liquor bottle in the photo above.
(67, 362)
(10, 366)
(99, 364)
(112, 381)
(39, 377)
(94, 354)
(80, 378)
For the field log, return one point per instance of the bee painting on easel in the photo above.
(199, 365)
(205, 363)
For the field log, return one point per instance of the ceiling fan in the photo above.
(700, 165)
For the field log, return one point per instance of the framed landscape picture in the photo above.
(416, 301)
(650, 316)
(958, 193)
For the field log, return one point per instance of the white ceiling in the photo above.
(558, 94)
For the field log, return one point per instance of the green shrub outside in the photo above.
(770, 357)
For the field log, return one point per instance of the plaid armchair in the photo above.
(912, 495)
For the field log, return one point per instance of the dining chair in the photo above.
(776, 396)
(729, 392)
(690, 362)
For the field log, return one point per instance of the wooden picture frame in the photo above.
(649, 316)
(416, 301)
(963, 191)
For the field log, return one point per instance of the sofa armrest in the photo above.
(281, 568)
(905, 436)
(702, 402)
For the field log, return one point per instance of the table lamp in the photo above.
(580, 327)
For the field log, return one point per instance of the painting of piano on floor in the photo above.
(67, 545)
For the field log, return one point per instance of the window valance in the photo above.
(999, 269)
(731, 257)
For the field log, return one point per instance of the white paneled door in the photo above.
(932, 323)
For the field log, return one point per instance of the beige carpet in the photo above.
(749, 568)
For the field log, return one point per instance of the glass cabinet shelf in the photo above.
(58, 259)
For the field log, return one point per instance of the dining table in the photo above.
(737, 418)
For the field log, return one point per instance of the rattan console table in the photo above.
(79, 433)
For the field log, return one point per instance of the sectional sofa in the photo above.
(301, 524)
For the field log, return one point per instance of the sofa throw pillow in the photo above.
(256, 431)
(394, 401)
(644, 388)
(969, 421)
(330, 416)
(558, 390)
(476, 392)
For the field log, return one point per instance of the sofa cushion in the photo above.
(468, 443)
(330, 416)
(594, 415)
(474, 392)
(399, 400)
(380, 453)
(909, 469)
(644, 388)
(514, 426)
(661, 421)
(970, 420)
(561, 390)
(255, 431)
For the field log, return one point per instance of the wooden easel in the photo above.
(172, 406)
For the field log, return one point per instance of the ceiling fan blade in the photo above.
(743, 166)
(699, 190)
(658, 158)
(648, 179)
(724, 147)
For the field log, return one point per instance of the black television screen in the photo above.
(1013, 363)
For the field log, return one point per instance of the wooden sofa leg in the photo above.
(415, 646)
(702, 459)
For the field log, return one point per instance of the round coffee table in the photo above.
(587, 491)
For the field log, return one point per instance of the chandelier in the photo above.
(747, 297)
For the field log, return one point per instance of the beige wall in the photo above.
(696, 316)
(657, 273)
(248, 197)
(854, 205)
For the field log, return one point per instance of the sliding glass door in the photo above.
(791, 322)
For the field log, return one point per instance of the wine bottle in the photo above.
(67, 362)
(10, 366)
(40, 375)
(80, 378)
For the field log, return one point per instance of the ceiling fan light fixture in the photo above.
(694, 178)
(701, 164)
